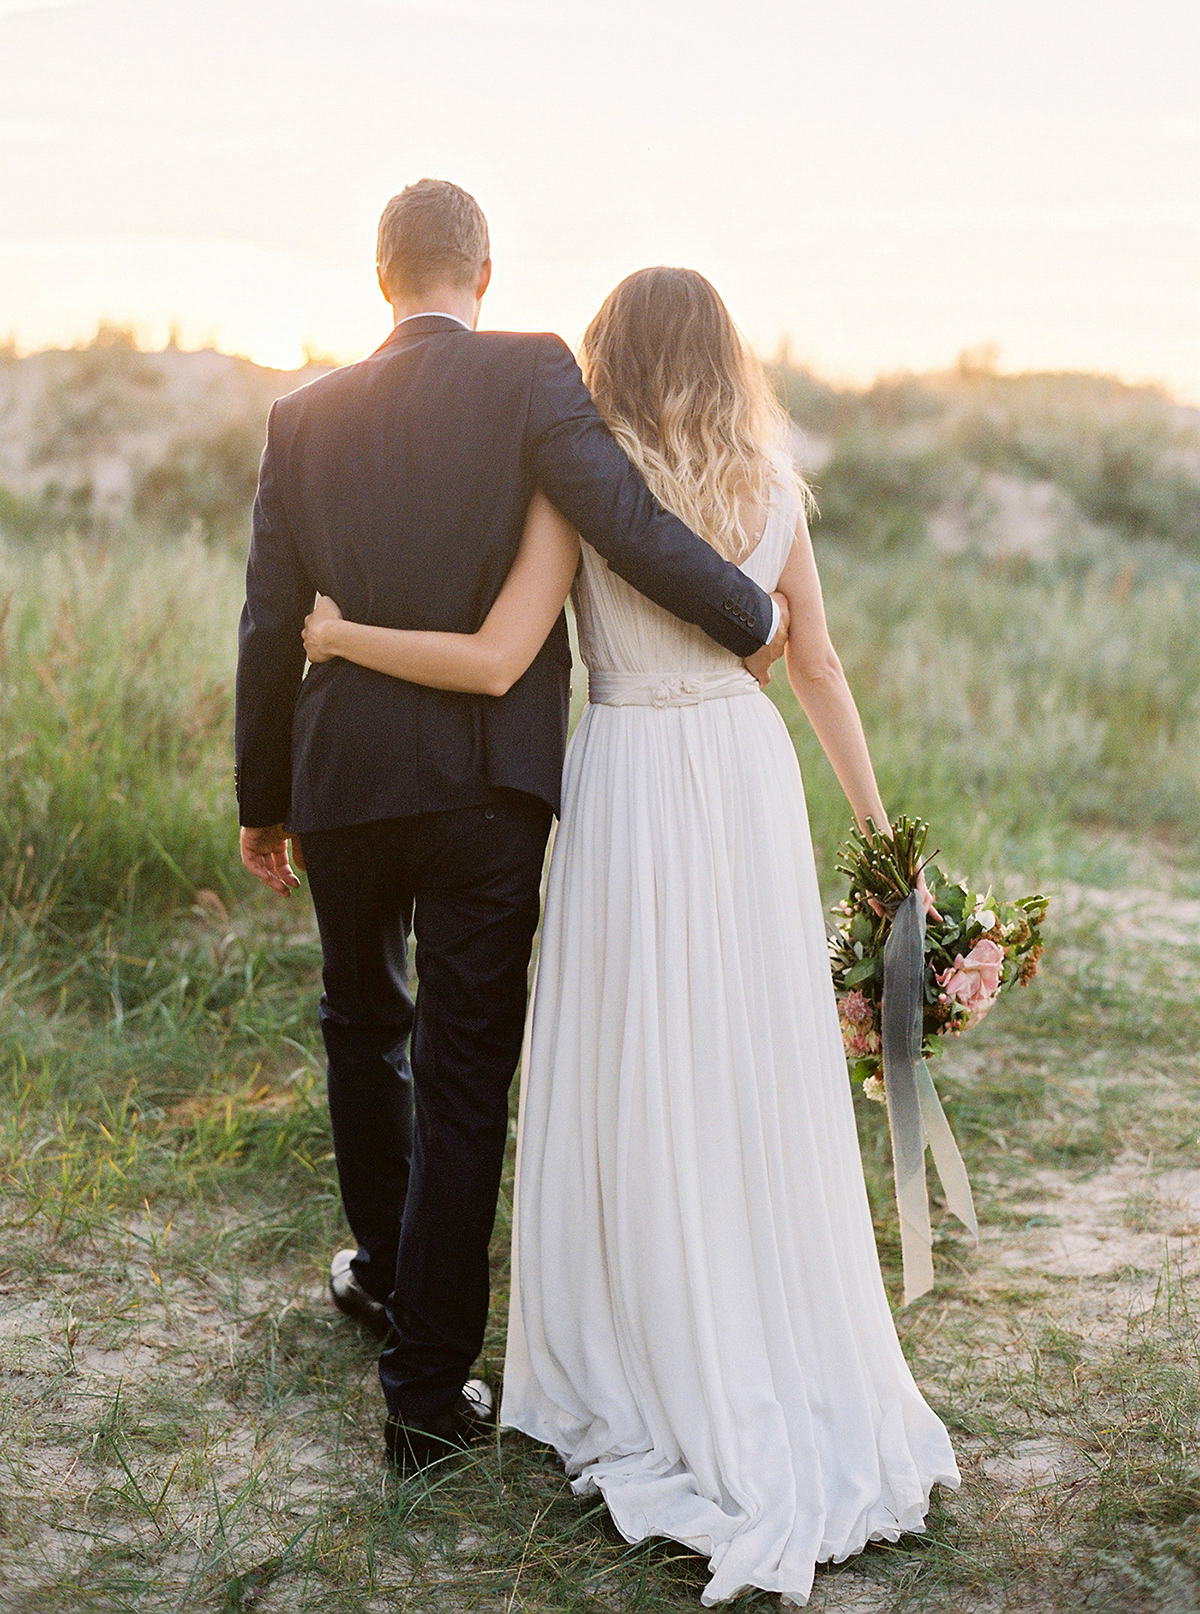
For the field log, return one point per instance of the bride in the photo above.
(698, 1324)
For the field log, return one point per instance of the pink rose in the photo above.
(975, 980)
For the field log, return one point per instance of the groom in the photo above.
(399, 486)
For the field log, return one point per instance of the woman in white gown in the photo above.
(698, 1325)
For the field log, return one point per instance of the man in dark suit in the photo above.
(399, 486)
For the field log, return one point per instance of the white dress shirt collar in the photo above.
(437, 313)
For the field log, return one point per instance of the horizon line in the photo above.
(978, 360)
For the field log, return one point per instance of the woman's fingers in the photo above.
(325, 610)
(926, 897)
(311, 638)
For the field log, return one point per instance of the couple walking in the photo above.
(697, 1324)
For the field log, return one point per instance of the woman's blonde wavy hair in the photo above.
(689, 403)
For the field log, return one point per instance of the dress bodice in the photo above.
(622, 633)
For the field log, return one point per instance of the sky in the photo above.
(879, 183)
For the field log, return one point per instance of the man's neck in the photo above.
(451, 300)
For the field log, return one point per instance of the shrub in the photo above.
(811, 402)
(208, 479)
(876, 490)
(1126, 457)
(22, 517)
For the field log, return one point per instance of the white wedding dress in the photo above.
(698, 1323)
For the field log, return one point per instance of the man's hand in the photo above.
(265, 854)
(761, 662)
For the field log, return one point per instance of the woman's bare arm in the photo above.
(485, 663)
(816, 675)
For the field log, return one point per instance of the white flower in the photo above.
(986, 918)
(873, 1089)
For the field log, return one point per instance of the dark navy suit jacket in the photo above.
(399, 486)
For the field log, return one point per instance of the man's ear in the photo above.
(387, 296)
(485, 278)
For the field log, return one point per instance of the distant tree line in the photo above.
(109, 436)
(1127, 457)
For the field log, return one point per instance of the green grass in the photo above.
(115, 720)
(1018, 707)
(187, 1424)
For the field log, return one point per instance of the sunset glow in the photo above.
(879, 186)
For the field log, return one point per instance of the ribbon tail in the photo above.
(908, 1163)
(915, 1114)
(916, 1235)
(951, 1171)
(903, 985)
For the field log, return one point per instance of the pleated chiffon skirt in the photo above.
(698, 1323)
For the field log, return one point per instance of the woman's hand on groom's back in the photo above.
(316, 626)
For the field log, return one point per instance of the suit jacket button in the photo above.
(728, 606)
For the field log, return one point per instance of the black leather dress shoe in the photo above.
(350, 1297)
(422, 1441)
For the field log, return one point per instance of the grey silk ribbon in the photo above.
(915, 1114)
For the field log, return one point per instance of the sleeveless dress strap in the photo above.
(766, 561)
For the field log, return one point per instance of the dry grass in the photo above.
(188, 1424)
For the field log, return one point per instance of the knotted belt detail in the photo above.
(655, 689)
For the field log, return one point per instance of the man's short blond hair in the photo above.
(432, 234)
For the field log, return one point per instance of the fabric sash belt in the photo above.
(915, 1114)
(667, 689)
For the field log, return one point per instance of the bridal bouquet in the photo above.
(977, 949)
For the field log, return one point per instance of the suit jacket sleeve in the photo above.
(578, 465)
(279, 595)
